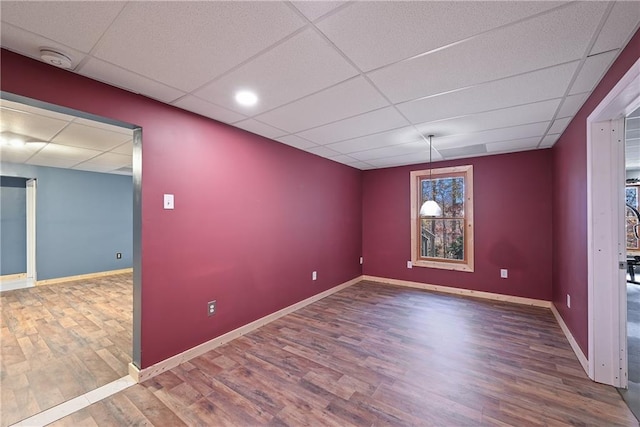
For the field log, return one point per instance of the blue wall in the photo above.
(82, 220)
(13, 225)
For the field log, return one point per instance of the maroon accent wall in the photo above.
(252, 217)
(570, 203)
(512, 221)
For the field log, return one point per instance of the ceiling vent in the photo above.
(55, 58)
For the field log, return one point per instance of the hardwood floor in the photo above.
(60, 341)
(373, 354)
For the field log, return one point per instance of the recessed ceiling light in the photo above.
(246, 98)
(11, 141)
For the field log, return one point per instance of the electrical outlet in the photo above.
(504, 273)
(118, 255)
(568, 301)
(211, 308)
(361, 260)
(409, 264)
(314, 275)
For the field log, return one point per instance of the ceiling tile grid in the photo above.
(360, 83)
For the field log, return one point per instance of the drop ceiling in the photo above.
(360, 83)
(63, 141)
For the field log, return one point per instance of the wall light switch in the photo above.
(409, 264)
(361, 260)
(504, 273)
(314, 275)
(568, 301)
(168, 201)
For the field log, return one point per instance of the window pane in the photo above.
(442, 238)
(447, 192)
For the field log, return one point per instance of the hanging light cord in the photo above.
(433, 197)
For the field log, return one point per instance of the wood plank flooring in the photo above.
(379, 355)
(62, 340)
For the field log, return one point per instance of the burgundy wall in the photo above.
(512, 221)
(570, 203)
(252, 217)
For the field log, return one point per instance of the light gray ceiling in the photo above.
(361, 83)
(63, 141)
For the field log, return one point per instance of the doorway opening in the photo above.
(606, 235)
(66, 177)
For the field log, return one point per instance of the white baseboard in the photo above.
(584, 361)
(83, 276)
(141, 375)
(459, 291)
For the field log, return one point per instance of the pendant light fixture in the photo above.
(430, 207)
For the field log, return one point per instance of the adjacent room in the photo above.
(66, 286)
(340, 213)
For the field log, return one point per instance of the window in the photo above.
(446, 241)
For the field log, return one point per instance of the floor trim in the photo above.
(70, 406)
(141, 375)
(16, 276)
(460, 291)
(83, 276)
(584, 361)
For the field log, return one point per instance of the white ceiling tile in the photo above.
(94, 167)
(207, 109)
(322, 151)
(304, 64)
(53, 162)
(19, 154)
(620, 26)
(61, 155)
(592, 71)
(361, 165)
(112, 160)
(382, 139)
(256, 127)
(75, 24)
(343, 158)
(549, 140)
(296, 141)
(165, 40)
(407, 159)
(378, 33)
(559, 125)
(464, 151)
(126, 148)
(315, 9)
(572, 104)
(416, 147)
(78, 135)
(116, 76)
(507, 117)
(531, 87)
(104, 126)
(527, 46)
(364, 124)
(28, 44)
(513, 145)
(24, 108)
(353, 97)
(29, 124)
(491, 136)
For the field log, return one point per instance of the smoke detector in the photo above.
(55, 58)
